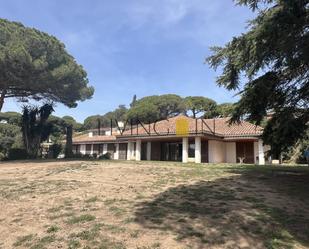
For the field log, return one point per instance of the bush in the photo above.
(86, 156)
(55, 150)
(106, 156)
(77, 155)
(10, 137)
(2, 156)
(81, 156)
(17, 154)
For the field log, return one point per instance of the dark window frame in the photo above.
(88, 148)
(191, 148)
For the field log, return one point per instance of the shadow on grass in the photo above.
(252, 208)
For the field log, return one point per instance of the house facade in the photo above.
(181, 139)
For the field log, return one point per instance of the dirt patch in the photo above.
(92, 204)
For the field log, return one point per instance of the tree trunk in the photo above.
(68, 146)
(2, 96)
(194, 114)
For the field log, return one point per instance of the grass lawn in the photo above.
(117, 205)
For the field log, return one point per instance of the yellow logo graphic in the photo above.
(182, 126)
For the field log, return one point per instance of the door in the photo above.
(76, 148)
(88, 149)
(111, 150)
(204, 151)
(101, 149)
(96, 148)
(156, 151)
(245, 151)
(171, 151)
(123, 151)
(144, 151)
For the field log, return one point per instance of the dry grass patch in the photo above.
(152, 205)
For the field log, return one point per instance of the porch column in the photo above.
(91, 150)
(184, 149)
(83, 149)
(104, 149)
(148, 151)
(198, 158)
(138, 150)
(116, 154)
(129, 152)
(261, 152)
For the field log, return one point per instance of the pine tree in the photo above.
(273, 57)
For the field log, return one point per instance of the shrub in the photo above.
(55, 150)
(86, 156)
(77, 155)
(10, 137)
(17, 154)
(2, 156)
(106, 156)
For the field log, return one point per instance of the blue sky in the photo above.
(140, 47)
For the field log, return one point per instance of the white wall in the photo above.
(191, 160)
(116, 153)
(261, 152)
(130, 151)
(216, 151)
(230, 152)
(185, 150)
(266, 149)
(83, 149)
(138, 150)
(197, 151)
(256, 151)
(104, 149)
(221, 152)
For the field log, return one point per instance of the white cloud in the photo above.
(161, 13)
(197, 20)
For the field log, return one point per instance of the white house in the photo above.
(179, 139)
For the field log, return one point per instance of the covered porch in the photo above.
(197, 149)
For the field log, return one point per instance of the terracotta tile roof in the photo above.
(85, 138)
(102, 129)
(217, 127)
(243, 128)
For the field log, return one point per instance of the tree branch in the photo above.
(2, 96)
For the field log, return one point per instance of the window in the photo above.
(101, 146)
(88, 148)
(96, 148)
(76, 148)
(191, 152)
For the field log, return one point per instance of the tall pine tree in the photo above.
(273, 57)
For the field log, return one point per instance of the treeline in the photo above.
(14, 136)
(158, 107)
(17, 130)
(25, 132)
